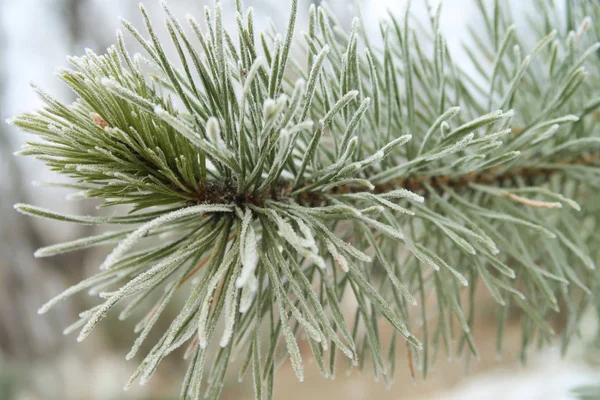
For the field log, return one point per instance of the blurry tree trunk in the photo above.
(25, 282)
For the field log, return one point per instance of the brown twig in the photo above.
(226, 191)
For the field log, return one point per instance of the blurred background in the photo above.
(38, 362)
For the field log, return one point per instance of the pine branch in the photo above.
(268, 186)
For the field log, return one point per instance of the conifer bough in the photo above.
(269, 177)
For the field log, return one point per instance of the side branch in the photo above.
(493, 176)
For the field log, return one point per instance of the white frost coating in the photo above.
(269, 108)
(110, 83)
(378, 156)
(461, 144)
(444, 128)
(287, 232)
(213, 131)
(309, 240)
(141, 60)
(252, 72)
(547, 134)
(151, 322)
(284, 143)
(339, 259)
(210, 287)
(210, 166)
(138, 284)
(383, 228)
(70, 291)
(248, 250)
(248, 293)
(302, 126)
(179, 126)
(139, 233)
(350, 148)
(403, 193)
(55, 129)
(397, 142)
(34, 211)
(230, 300)
(287, 175)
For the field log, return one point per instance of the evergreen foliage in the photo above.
(269, 176)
